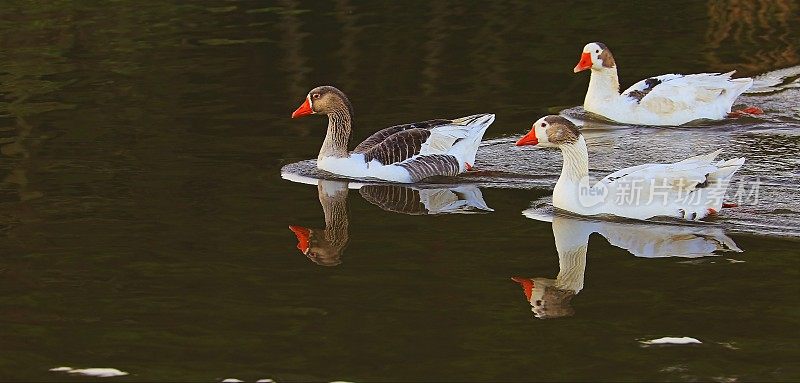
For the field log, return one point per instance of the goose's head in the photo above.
(324, 100)
(551, 131)
(595, 56)
(315, 245)
(546, 300)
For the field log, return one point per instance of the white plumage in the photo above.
(690, 189)
(670, 99)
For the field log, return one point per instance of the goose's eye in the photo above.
(544, 125)
(597, 51)
(315, 96)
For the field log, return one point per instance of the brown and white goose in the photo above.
(403, 153)
(325, 246)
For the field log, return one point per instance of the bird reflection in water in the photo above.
(324, 246)
(551, 298)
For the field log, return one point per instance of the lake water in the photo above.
(144, 217)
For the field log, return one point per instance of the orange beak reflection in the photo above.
(584, 64)
(527, 286)
(302, 235)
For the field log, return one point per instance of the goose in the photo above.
(550, 298)
(691, 189)
(404, 153)
(325, 246)
(670, 99)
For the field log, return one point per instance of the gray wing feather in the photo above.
(394, 198)
(381, 135)
(431, 165)
(398, 147)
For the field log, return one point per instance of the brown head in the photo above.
(324, 100)
(551, 131)
(554, 303)
(546, 300)
(315, 244)
(595, 56)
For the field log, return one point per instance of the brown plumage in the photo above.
(394, 145)
(638, 95)
(561, 130)
(394, 198)
(431, 165)
(398, 147)
(378, 137)
(606, 56)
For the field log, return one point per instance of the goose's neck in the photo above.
(571, 269)
(572, 239)
(338, 136)
(576, 161)
(333, 198)
(603, 87)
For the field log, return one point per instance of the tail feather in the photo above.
(727, 168)
(475, 119)
(707, 158)
(473, 196)
(737, 86)
(462, 199)
(460, 139)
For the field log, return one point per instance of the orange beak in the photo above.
(303, 110)
(584, 64)
(527, 286)
(302, 235)
(529, 139)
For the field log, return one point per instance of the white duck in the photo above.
(670, 99)
(690, 189)
(402, 153)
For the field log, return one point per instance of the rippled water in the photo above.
(143, 215)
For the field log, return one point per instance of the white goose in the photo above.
(670, 99)
(402, 153)
(550, 298)
(690, 189)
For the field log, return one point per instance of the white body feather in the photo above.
(676, 100)
(459, 139)
(684, 190)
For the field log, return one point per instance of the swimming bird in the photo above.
(404, 153)
(670, 99)
(691, 189)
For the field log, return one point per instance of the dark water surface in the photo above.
(143, 217)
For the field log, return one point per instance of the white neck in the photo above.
(572, 239)
(603, 88)
(576, 161)
(571, 269)
(574, 175)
